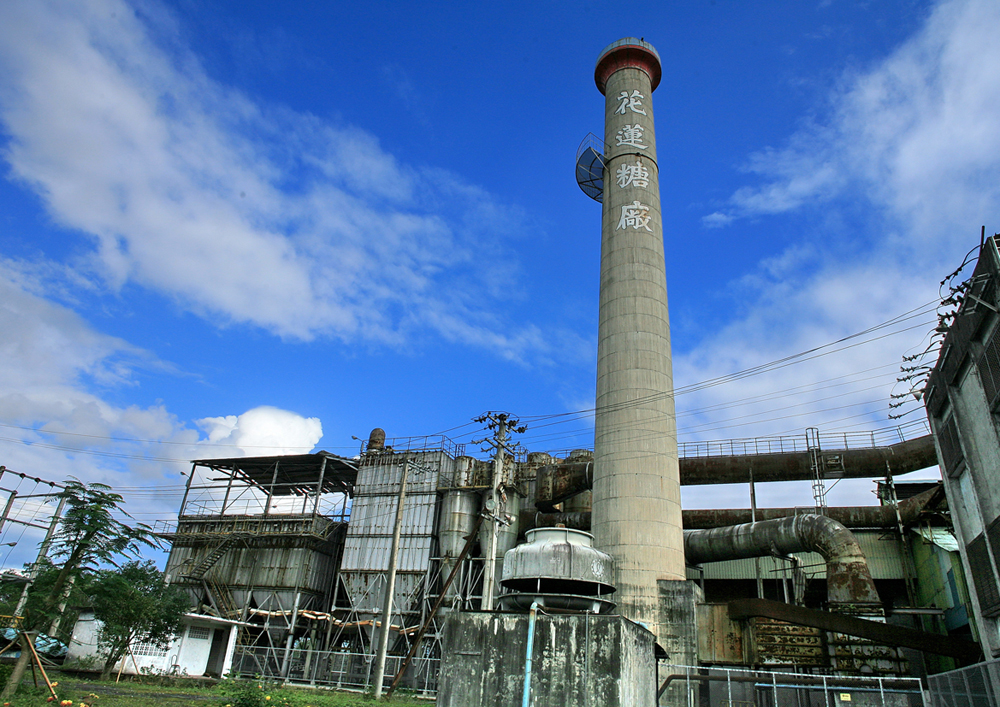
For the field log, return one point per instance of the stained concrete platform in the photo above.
(578, 660)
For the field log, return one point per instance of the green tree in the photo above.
(35, 613)
(135, 605)
(89, 536)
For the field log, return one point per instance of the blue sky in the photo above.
(243, 228)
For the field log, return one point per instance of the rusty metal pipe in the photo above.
(848, 579)
(849, 516)
(700, 519)
(557, 482)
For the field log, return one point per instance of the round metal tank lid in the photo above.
(559, 535)
(629, 52)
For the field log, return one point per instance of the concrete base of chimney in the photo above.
(679, 600)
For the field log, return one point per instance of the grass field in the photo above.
(245, 693)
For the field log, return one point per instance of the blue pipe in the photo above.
(532, 614)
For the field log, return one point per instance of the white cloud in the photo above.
(56, 385)
(241, 212)
(264, 431)
(717, 220)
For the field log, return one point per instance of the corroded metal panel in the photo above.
(859, 655)
(274, 567)
(376, 515)
(780, 643)
(368, 545)
(381, 473)
(721, 641)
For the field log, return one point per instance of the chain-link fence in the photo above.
(975, 686)
(337, 669)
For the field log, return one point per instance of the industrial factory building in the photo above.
(296, 549)
(962, 395)
(575, 577)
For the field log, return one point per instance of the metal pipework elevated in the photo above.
(557, 482)
(910, 510)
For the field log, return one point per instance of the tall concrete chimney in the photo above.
(636, 493)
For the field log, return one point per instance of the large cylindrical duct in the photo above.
(848, 578)
(636, 500)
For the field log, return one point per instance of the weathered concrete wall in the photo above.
(578, 660)
(678, 621)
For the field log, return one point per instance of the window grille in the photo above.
(150, 650)
(989, 367)
(199, 633)
(982, 574)
(951, 447)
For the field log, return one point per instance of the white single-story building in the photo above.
(205, 646)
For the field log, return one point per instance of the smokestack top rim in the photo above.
(628, 52)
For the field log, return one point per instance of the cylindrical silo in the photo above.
(459, 509)
(636, 490)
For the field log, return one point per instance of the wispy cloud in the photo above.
(58, 385)
(907, 152)
(241, 212)
(915, 134)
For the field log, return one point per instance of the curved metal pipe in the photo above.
(848, 578)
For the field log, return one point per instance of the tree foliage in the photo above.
(135, 605)
(37, 614)
(89, 536)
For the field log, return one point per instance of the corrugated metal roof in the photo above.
(376, 515)
(942, 537)
(382, 477)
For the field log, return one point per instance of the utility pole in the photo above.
(501, 423)
(390, 582)
(43, 552)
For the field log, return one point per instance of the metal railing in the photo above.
(787, 444)
(259, 525)
(977, 685)
(693, 686)
(790, 444)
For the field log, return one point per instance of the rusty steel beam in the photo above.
(884, 634)
(557, 482)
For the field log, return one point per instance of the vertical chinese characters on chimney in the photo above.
(636, 498)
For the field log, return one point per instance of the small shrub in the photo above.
(252, 693)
